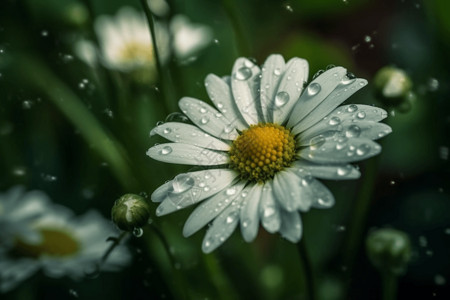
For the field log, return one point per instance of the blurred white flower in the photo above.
(42, 235)
(269, 137)
(126, 43)
(189, 38)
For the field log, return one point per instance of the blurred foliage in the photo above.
(80, 134)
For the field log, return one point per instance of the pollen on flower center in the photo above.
(261, 151)
(54, 243)
(135, 51)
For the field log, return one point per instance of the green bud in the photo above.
(130, 211)
(392, 85)
(389, 250)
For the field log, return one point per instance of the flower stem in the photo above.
(179, 280)
(308, 273)
(116, 242)
(359, 214)
(389, 286)
(221, 282)
(151, 24)
(242, 43)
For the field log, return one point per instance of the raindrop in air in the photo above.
(313, 89)
(281, 99)
(243, 73)
(138, 232)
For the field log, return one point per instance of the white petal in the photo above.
(243, 79)
(249, 213)
(271, 75)
(12, 273)
(291, 226)
(344, 119)
(336, 172)
(224, 225)
(289, 191)
(219, 92)
(321, 195)
(289, 89)
(269, 210)
(207, 118)
(185, 154)
(341, 150)
(339, 95)
(189, 134)
(315, 93)
(161, 192)
(211, 208)
(189, 188)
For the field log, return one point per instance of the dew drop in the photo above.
(352, 108)
(362, 149)
(219, 105)
(204, 120)
(367, 39)
(202, 110)
(177, 117)
(269, 211)
(318, 73)
(334, 121)
(138, 232)
(316, 142)
(281, 99)
(181, 183)
(243, 73)
(165, 150)
(361, 115)
(230, 219)
(313, 89)
(230, 191)
(167, 130)
(353, 131)
(343, 171)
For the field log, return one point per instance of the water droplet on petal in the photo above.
(243, 73)
(352, 108)
(362, 149)
(281, 99)
(202, 110)
(204, 120)
(361, 115)
(313, 89)
(165, 150)
(181, 183)
(167, 130)
(316, 142)
(231, 191)
(277, 71)
(353, 131)
(345, 170)
(334, 121)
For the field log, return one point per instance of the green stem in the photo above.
(151, 24)
(362, 204)
(221, 282)
(183, 294)
(116, 242)
(242, 43)
(308, 273)
(389, 286)
(79, 115)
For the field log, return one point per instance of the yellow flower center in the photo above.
(54, 243)
(261, 151)
(136, 52)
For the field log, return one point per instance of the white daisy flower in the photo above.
(189, 38)
(126, 42)
(269, 138)
(62, 244)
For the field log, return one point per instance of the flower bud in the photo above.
(392, 85)
(389, 250)
(130, 211)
